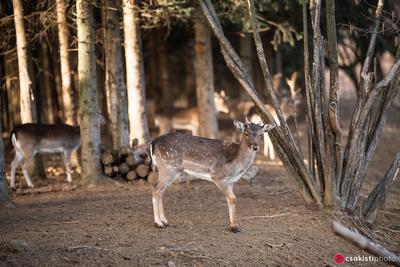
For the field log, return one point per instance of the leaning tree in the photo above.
(335, 170)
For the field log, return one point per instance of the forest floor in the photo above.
(112, 225)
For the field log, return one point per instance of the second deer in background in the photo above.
(186, 118)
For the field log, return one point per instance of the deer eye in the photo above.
(246, 133)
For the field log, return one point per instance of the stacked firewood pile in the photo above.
(122, 164)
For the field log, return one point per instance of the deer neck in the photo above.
(245, 156)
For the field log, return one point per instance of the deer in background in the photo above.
(289, 108)
(31, 138)
(177, 154)
(186, 118)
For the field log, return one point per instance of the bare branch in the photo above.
(365, 243)
(377, 198)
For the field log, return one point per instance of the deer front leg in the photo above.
(227, 189)
(14, 164)
(268, 147)
(67, 162)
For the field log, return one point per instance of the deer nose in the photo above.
(255, 148)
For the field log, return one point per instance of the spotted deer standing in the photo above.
(289, 106)
(31, 138)
(186, 118)
(177, 154)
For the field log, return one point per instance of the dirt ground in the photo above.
(112, 225)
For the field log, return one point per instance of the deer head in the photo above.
(252, 132)
(220, 102)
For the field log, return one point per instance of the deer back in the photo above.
(46, 137)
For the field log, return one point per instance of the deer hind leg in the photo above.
(14, 164)
(67, 161)
(165, 179)
(227, 189)
(25, 166)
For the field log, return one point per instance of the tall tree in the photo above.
(88, 103)
(27, 98)
(138, 127)
(66, 75)
(115, 81)
(205, 79)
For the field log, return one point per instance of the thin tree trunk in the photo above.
(247, 55)
(334, 132)
(27, 98)
(66, 75)
(88, 102)
(12, 85)
(114, 76)
(138, 126)
(167, 96)
(4, 196)
(377, 198)
(45, 96)
(205, 80)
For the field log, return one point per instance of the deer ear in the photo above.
(268, 127)
(239, 125)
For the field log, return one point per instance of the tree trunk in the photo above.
(47, 113)
(12, 85)
(4, 196)
(27, 98)
(114, 76)
(88, 102)
(138, 127)
(167, 96)
(66, 76)
(246, 54)
(203, 67)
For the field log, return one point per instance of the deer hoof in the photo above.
(165, 223)
(235, 229)
(159, 226)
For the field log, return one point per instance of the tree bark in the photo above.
(27, 98)
(47, 112)
(114, 77)
(334, 134)
(138, 126)
(167, 96)
(88, 103)
(66, 75)
(4, 196)
(246, 54)
(205, 80)
(377, 198)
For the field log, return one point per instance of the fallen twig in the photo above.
(365, 243)
(275, 246)
(390, 230)
(46, 189)
(87, 247)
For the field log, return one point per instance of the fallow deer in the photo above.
(289, 108)
(31, 138)
(186, 118)
(222, 163)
